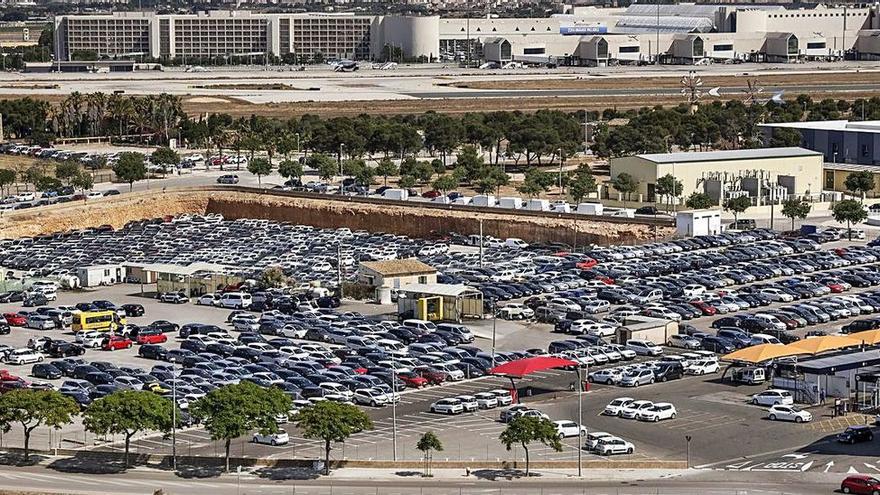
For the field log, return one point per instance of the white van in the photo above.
(423, 325)
(235, 300)
(770, 319)
(516, 243)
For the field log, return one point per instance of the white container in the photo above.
(510, 202)
(463, 200)
(590, 208)
(538, 205)
(398, 194)
(443, 200)
(483, 200)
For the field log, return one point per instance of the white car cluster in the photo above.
(642, 410)
(470, 403)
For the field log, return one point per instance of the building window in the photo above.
(723, 48)
(864, 150)
(815, 45)
(628, 49)
(533, 51)
(423, 279)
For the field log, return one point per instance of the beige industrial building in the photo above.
(640, 33)
(770, 173)
(395, 274)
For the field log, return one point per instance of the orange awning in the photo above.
(816, 345)
(760, 353)
(869, 337)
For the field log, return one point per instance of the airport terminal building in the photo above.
(590, 36)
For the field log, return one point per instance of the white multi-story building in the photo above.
(680, 33)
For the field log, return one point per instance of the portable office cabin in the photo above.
(448, 302)
(96, 275)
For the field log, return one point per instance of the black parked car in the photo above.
(46, 371)
(856, 434)
(153, 351)
(59, 349)
(668, 371)
(133, 310)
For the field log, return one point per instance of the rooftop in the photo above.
(451, 290)
(710, 156)
(840, 362)
(871, 126)
(392, 268)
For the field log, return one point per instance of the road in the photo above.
(66, 478)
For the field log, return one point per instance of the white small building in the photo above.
(95, 275)
(698, 222)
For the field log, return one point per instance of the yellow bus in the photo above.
(97, 320)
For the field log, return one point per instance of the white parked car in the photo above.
(683, 341)
(567, 429)
(373, 397)
(516, 311)
(486, 400)
(789, 413)
(469, 402)
(632, 410)
(660, 411)
(208, 299)
(616, 406)
(702, 367)
(502, 396)
(614, 445)
(447, 406)
(91, 339)
(644, 347)
(773, 397)
(24, 356)
(280, 438)
(608, 376)
(594, 438)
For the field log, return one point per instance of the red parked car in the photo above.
(431, 194)
(836, 288)
(115, 342)
(860, 484)
(434, 377)
(706, 308)
(151, 338)
(586, 264)
(412, 380)
(15, 319)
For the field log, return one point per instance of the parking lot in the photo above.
(716, 416)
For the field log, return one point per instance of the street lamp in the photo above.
(687, 439)
(494, 321)
(341, 146)
(393, 408)
(173, 417)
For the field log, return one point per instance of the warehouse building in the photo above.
(839, 141)
(640, 33)
(770, 173)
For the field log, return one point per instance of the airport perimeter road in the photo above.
(361, 482)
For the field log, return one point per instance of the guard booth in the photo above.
(439, 302)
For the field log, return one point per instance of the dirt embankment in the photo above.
(405, 220)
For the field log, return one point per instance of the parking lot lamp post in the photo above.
(580, 420)
(494, 321)
(341, 147)
(687, 439)
(339, 268)
(173, 419)
(298, 151)
(393, 408)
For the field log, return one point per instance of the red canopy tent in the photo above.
(523, 367)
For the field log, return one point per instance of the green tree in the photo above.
(386, 167)
(669, 187)
(332, 422)
(445, 183)
(849, 211)
(582, 183)
(531, 188)
(525, 430)
(737, 206)
(407, 182)
(424, 171)
(82, 181)
(438, 166)
(427, 444)
(34, 408)
(324, 165)
(796, 208)
(231, 411)
(66, 170)
(625, 184)
(860, 182)
(259, 167)
(166, 157)
(128, 412)
(364, 175)
(47, 183)
(272, 277)
(699, 201)
(7, 178)
(31, 175)
(130, 168)
(784, 137)
(291, 169)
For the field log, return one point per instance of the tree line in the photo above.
(227, 412)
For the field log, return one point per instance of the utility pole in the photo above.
(580, 417)
(393, 408)
(173, 417)
(494, 321)
(843, 48)
(481, 243)
(468, 48)
(657, 61)
(339, 267)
